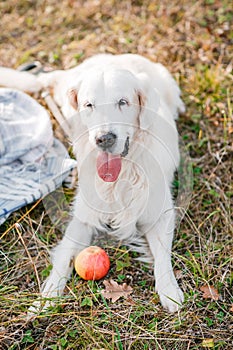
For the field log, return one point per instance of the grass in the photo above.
(194, 40)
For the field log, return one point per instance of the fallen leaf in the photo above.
(208, 343)
(209, 292)
(231, 308)
(115, 291)
(230, 129)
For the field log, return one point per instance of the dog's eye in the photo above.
(122, 102)
(88, 105)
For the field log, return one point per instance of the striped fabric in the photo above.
(32, 162)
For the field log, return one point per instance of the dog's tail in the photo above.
(19, 80)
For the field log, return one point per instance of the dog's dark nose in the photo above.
(106, 141)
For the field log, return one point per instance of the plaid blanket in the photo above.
(32, 162)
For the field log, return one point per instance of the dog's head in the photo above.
(112, 105)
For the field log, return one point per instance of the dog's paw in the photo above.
(37, 308)
(171, 298)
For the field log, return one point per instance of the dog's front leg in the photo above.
(77, 237)
(160, 237)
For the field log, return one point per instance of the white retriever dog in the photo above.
(121, 111)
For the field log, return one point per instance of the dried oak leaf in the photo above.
(115, 291)
(209, 292)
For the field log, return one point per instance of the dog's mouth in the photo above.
(109, 165)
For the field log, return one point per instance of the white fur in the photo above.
(138, 206)
(20, 80)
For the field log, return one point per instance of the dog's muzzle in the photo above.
(106, 141)
(108, 164)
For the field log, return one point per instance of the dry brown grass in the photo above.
(194, 40)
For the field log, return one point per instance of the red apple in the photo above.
(92, 263)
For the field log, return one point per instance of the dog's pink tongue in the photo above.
(108, 166)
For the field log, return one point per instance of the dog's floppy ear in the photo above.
(148, 101)
(141, 101)
(72, 94)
